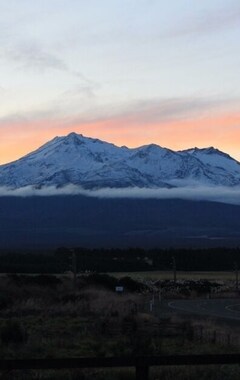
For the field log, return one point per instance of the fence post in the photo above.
(142, 372)
(151, 306)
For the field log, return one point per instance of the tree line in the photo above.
(119, 260)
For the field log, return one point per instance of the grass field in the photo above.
(44, 317)
(167, 275)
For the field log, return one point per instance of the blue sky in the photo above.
(127, 71)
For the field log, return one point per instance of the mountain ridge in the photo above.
(92, 163)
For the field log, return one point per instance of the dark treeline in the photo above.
(119, 260)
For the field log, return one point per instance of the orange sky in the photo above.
(220, 131)
(163, 72)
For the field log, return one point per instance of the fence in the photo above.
(212, 335)
(141, 364)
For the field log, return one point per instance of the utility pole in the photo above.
(74, 269)
(174, 266)
(236, 273)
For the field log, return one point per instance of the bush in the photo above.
(104, 280)
(131, 285)
(5, 301)
(38, 280)
(13, 332)
(110, 282)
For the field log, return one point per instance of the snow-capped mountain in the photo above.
(92, 163)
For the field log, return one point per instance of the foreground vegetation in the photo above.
(45, 316)
(180, 275)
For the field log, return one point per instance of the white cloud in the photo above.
(200, 193)
(207, 21)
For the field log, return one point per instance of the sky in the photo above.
(131, 72)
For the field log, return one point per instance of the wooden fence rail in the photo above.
(141, 364)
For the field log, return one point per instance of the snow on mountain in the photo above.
(92, 163)
(224, 167)
(215, 158)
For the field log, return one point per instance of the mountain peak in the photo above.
(208, 151)
(74, 134)
(196, 149)
(74, 138)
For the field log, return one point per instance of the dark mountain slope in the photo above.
(83, 221)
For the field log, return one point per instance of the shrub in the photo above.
(5, 301)
(38, 280)
(13, 332)
(110, 282)
(104, 280)
(131, 285)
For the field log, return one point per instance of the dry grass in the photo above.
(168, 275)
(58, 321)
(61, 323)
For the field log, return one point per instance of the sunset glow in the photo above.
(222, 132)
(127, 72)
